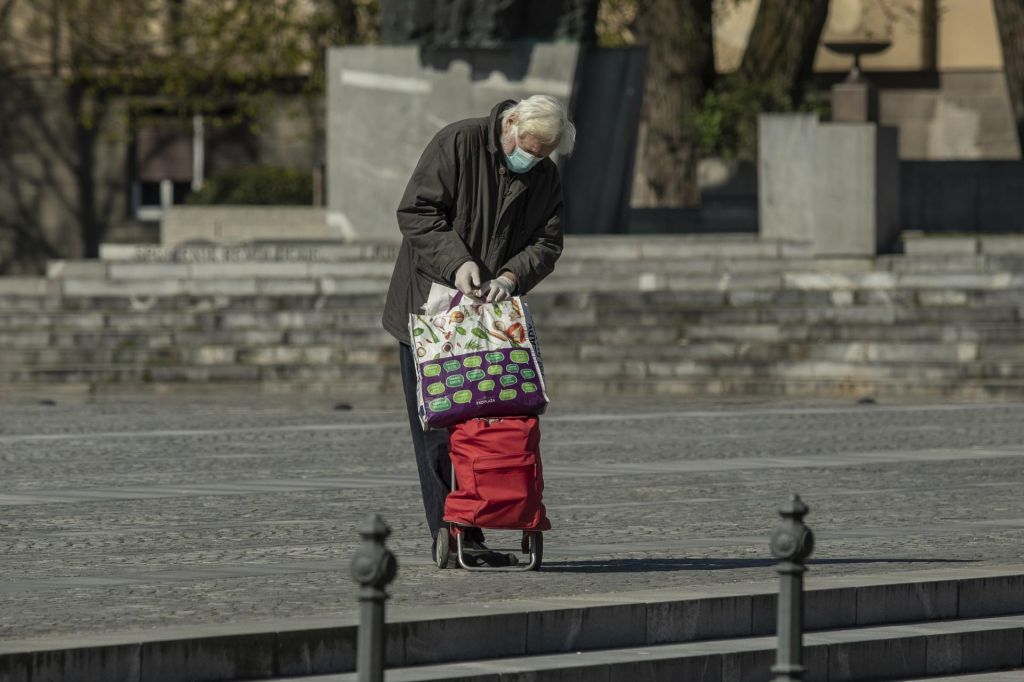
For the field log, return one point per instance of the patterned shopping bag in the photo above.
(475, 359)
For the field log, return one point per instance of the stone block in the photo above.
(213, 355)
(974, 651)
(952, 281)
(246, 320)
(932, 245)
(725, 282)
(148, 270)
(274, 355)
(120, 289)
(997, 352)
(607, 247)
(936, 264)
(896, 659)
(221, 287)
(250, 270)
(1001, 245)
(287, 287)
(581, 629)
(132, 322)
(738, 332)
(852, 315)
(817, 281)
(235, 224)
(749, 298)
(834, 186)
(119, 663)
(755, 666)
(460, 639)
(906, 602)
(79, 321)
(950, 298)
(991, 596)
(353, 269)
(724, 248)
(109, 252)
(685, 621)
(208, 659)
(348, 287)
(824, 609)
(23, 286)
(22, 339)
(79, 269)
(315, 652)
(707, 668)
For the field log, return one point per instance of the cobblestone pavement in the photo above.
(144, 511)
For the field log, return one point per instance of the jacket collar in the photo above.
(494, 140)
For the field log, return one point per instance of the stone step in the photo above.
(951, 263)
(1015, 675)
(695, 358)
(290, 279)
(368, 377)
(916, 243)
(700, 388)
(573, 376)
(892, 652)
(264, 251)
(570, 265)
(734, 622)
(874, 272)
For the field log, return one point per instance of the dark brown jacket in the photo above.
(462, 203)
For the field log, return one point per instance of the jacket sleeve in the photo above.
(537, 259)
(425, 210)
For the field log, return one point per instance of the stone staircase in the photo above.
(657, 315)
(902, 626)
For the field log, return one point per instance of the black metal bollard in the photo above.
(373, 567)
(791, 543)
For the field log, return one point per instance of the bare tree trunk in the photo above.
(1010, 18)
(86, 125)
(780, 51)
(929, 34)
(680, 69)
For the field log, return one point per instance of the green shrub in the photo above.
(252, 185)
(726, 120)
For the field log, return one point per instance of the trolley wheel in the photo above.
(441, 546)
(538, 548)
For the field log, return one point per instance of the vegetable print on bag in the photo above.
(474, 359)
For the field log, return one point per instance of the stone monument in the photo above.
(835, 185)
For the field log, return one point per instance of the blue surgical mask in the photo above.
(520, 161)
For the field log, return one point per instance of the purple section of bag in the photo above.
(492, 383)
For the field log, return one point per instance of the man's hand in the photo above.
(467, 279)
(498, 289)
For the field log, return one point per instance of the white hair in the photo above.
(544, 117)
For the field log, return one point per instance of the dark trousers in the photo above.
(431, 448)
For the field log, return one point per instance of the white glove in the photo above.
(498, 289)
(467, 278)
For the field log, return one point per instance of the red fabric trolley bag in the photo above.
(497, 481)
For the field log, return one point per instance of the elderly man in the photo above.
(482, 212)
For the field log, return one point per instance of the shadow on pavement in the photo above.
(656, 565)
